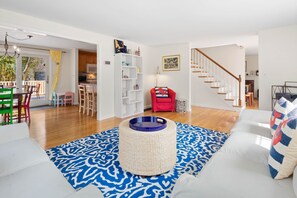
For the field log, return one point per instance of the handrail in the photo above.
(228, 72)
(222, 67)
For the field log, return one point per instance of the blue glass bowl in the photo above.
(148, 123)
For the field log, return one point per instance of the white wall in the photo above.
(252, 63)
(277, 60)
(105, 51)
(66, 67)
(204, 96)
(179, 81)
(74, 71)
(232, 57)
(252, 67)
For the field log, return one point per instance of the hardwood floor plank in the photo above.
(55, 126)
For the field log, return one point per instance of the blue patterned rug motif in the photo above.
(94, 159)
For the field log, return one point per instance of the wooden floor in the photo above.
(255, 104)
(55, 126)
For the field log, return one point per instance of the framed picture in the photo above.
(119, 46)
(171, 63)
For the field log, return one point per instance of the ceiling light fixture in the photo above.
(16, 49)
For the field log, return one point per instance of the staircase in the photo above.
(223, 83)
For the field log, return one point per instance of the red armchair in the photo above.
(163, 104)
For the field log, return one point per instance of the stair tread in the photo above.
(230, 99)
(222, 92)
(208, 81)
(215, 87)
(199, 71)
(205, 76)
(236, 105)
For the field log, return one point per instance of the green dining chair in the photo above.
(6, 104)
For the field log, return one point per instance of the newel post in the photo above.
(239, 81)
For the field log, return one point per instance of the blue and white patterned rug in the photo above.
(94, 159)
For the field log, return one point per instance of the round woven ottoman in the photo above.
(147, 153)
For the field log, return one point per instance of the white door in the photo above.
(35, 69)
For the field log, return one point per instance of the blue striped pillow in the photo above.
(283, 153)
(281, 108)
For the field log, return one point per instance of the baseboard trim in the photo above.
(213, 107)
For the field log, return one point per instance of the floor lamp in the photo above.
(157, 76)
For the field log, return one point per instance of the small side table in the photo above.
(147, 153)
(181, 105)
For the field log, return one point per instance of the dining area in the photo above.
(15, 104)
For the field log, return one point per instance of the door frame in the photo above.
(48, 79)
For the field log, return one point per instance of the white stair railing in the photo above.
(229, 83)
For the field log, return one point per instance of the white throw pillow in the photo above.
(283, 153)
(295, 181)
(295, 102)
(281, 108)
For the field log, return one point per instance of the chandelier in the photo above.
(16, 49)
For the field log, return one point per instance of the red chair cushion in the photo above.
(163, 100)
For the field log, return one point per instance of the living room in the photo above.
(275, 36)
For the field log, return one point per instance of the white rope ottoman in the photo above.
(147, 153)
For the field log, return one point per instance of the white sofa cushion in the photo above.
(242, 165)
(248, 145)
(90, 191)
(13, 132)
(295, 180)
(19, 154)
(188, 186)
(283, 152)
(245, 175)
(260, 116)
(247, 126)
(43, 180)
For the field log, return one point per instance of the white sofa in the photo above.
(27, 172)
(240, 167)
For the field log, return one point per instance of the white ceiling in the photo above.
(43, 41)
(157, 22)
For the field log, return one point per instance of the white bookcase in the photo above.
(128, 85)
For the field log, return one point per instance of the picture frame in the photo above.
(119, 46)
(171, 63)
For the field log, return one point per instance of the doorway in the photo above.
(252, 82)
(35, 70)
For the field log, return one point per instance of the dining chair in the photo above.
(68, 98)
(6, 105)
(57, 100)
(82, 98)
(25, 108)
(91, 99)
(29, 88)
(36, 90)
